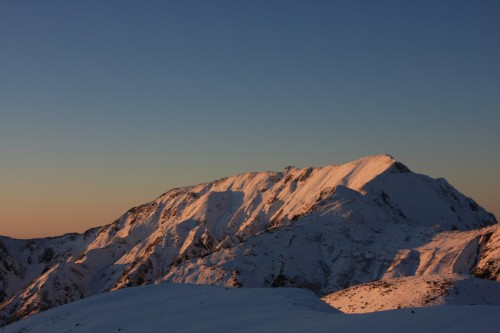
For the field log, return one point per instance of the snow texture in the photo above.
(415, 291)
(191, 308)
(323, 229)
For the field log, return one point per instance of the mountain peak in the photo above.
(380, 161)
(357, 173)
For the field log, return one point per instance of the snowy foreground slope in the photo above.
(415, 291)
(192, 309)
(322, 229)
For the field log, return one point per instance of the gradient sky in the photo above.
(104, 105)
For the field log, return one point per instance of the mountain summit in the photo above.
(322, 229)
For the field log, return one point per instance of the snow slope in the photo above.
(415, 291)
(191, 308)
(323, 229)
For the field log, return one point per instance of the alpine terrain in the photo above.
(183, 308)
(393, 237)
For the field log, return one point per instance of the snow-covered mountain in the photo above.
(193, 308)
(323, 229)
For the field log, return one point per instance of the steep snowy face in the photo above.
(320, 228)
(195, 222)
(22, 261)
(250, 203)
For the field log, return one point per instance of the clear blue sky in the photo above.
(106, 104)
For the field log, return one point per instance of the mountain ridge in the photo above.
(322, 228)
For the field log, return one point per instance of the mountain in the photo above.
(192, 308)
(323, 229)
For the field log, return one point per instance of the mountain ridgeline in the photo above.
(323, 229)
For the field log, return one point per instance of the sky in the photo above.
(104, 105)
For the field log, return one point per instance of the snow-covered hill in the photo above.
(193, 309)
(415, 291)
(323, 229)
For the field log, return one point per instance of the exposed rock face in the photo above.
(323, 229)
